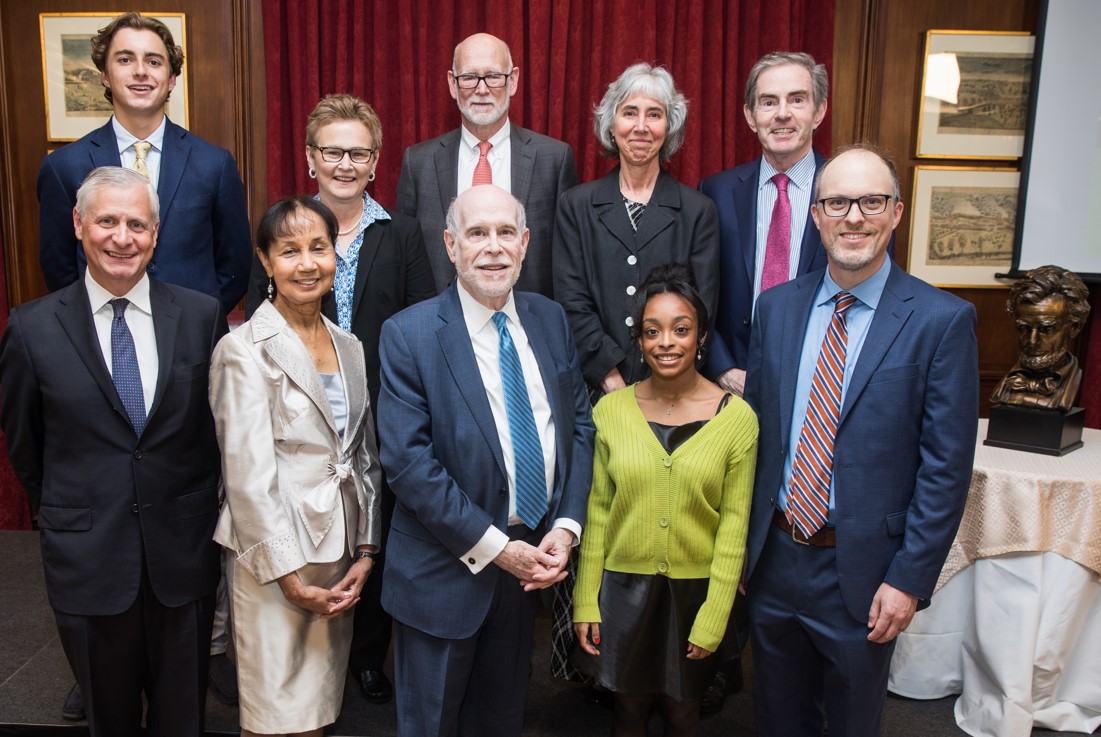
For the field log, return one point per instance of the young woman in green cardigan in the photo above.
(665, 537)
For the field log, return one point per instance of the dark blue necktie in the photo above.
(527, 451)
(124, 366)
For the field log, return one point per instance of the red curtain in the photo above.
(396, 56)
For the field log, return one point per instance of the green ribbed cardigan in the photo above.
(681, 515)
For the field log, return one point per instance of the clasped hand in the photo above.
(327, 603)
(538, 567)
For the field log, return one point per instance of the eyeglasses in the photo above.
(869, 204)
(335, 154)
(470, 81)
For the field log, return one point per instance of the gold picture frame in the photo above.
(974, 94)
(73, 93)
(962, 226)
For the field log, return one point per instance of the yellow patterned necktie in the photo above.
(141, 148)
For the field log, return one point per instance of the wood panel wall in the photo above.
(224, 64)
(876, 93)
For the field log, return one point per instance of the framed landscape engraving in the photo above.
(75, 104)
(962, 225)
(974, 95)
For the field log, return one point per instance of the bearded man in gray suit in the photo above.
(536, 169)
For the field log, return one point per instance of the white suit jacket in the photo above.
(296, 492)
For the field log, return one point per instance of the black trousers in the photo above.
(161, 652)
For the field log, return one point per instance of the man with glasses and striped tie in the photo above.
(487, 440)
(865, 380)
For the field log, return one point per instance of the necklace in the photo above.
(355, 224)
(673, 403)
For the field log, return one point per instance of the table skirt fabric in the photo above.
(1018, 636)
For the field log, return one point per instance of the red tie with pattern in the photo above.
(778, 247)
(483, 174)
(809, 495)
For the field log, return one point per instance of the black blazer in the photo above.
(109, 502)
(599, 262)
(392, 273)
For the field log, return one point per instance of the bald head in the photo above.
(483, 104)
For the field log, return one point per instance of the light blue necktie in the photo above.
(527, 451)
(124, 366)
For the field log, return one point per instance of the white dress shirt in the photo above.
(126, 141)
(139, 318)
(500, 158)
(485, 341)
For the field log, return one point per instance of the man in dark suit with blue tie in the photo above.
(766, 236)
(205, 241)
(487, 441)
(535, 168)
(865, 381)
(104, 389)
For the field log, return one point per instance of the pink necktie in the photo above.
(483, 174)
(811, 472)
(778, 248)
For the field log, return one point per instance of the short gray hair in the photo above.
(654, 82)
(115, 176)
(819, 79)
(453, 224)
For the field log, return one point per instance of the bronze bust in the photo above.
(1049, 306)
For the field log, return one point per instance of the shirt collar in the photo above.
(801, 173)
(477, 315)
(126, 139)
(138, 294)
(867, 292)
(471, 142)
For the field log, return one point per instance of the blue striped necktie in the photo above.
(527, 451)
(124, 366)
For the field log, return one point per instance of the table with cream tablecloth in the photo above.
(1015, 624)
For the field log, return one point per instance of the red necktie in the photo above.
(483, 174)
(811, 472)
(778, 248)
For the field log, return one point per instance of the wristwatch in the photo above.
(360, 554)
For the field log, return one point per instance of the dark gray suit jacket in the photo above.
(542, 169)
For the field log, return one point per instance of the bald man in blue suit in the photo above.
(826, 604)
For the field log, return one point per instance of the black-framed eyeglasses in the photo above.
(334, 154)
(493, 80)
(869, 204)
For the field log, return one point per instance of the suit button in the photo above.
(134, 508)
(471, 561)
(503, 493)
(137, 455)
(746, 321)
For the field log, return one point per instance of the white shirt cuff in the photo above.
(568, 524)
(485, 550)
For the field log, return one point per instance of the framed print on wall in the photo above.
(75, 104)
(962, 225)
(974, 95)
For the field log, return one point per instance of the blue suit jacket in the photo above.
(735, 194)
(203, 240)
(905, 441)
(442, 457)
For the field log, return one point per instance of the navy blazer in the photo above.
(542, 169)
(203, 241)
(905, 441)
(440, 449)
(109, 502)
(734, 192)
